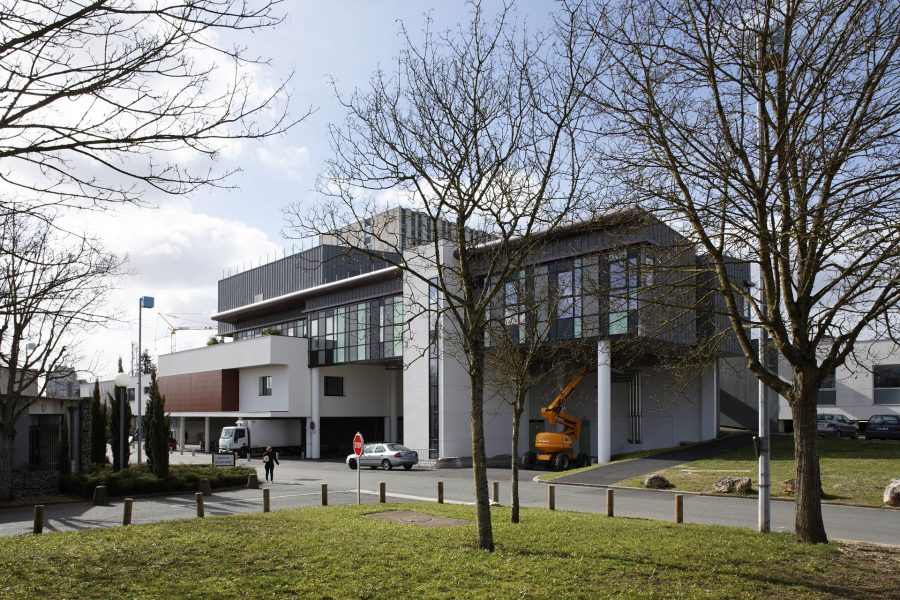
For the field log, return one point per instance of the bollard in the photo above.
(38, 518)
(126, 515)
(551, 497)
(324, 494)
(182, 450)
(440, 492)
(199, 497)
(205, 487)
(496, 499)
(252, 481)
(193, 453)
(609, 503)
(679, 508)
(100, 496)
(266, 504)
(382, 492)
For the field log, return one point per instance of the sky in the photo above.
(179, 247)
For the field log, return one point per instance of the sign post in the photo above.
(358, 450)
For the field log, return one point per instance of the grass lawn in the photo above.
(853, 471)
(336, 552)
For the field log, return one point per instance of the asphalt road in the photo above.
(298, 483)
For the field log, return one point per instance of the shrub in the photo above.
(138, 479)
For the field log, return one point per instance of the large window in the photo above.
(565, 288)
(827, 391)
(265, 385)
(623, 280)
(334, 386)
(433, 370)
(887, 384)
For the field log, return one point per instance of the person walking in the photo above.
(270, 459)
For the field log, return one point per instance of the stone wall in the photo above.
(36, 483)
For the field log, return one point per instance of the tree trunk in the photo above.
(514, 484)
(6, 463)
(479, 461)
(808, 519)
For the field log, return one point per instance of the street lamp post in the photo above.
(765, 31)
(121, 382)
(144, 302)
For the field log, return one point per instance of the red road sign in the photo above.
(357, 444)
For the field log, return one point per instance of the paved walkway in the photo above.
(613, 473)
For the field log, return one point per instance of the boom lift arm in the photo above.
(553, 413)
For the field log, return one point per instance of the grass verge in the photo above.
(614, 459)
(853, 471)
(336, 552)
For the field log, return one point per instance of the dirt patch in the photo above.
(408, 517)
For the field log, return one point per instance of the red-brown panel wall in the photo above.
(207, 391)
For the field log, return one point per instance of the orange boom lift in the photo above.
(555, 448)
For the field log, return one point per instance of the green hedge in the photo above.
(139, 480)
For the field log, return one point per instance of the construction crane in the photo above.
(197, 326)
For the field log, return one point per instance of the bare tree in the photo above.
(477, 130)
(769, 132)
(96, 97)
(522, 353)
(51, 290)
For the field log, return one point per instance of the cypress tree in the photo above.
(98, 428)
(158, 427)
(115, 431)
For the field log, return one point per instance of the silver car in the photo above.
(828, 425)
(385, 455)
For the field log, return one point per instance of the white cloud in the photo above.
(175, 255)
(291, 161)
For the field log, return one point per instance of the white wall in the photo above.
(248, 390)
(854, 382)
(367, 391)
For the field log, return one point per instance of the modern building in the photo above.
(338, 341)
(867, 384)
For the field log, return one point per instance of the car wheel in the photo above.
(854, 435)
(581, 460)
(352, 465)
(386, 465)
(407, 467)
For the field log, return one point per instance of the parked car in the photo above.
(883, 427)
(386, 455)
(828, 425)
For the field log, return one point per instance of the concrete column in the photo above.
(604, 401)
(709, 403)
(207, 438)
(181, 430)
(314, 425)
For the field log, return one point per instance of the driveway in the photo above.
(613, 473)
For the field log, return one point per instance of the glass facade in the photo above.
(565, 283)
(369, 330)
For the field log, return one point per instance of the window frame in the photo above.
(265, 385)
(328, 384)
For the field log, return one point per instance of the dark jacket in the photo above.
(273, 459)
